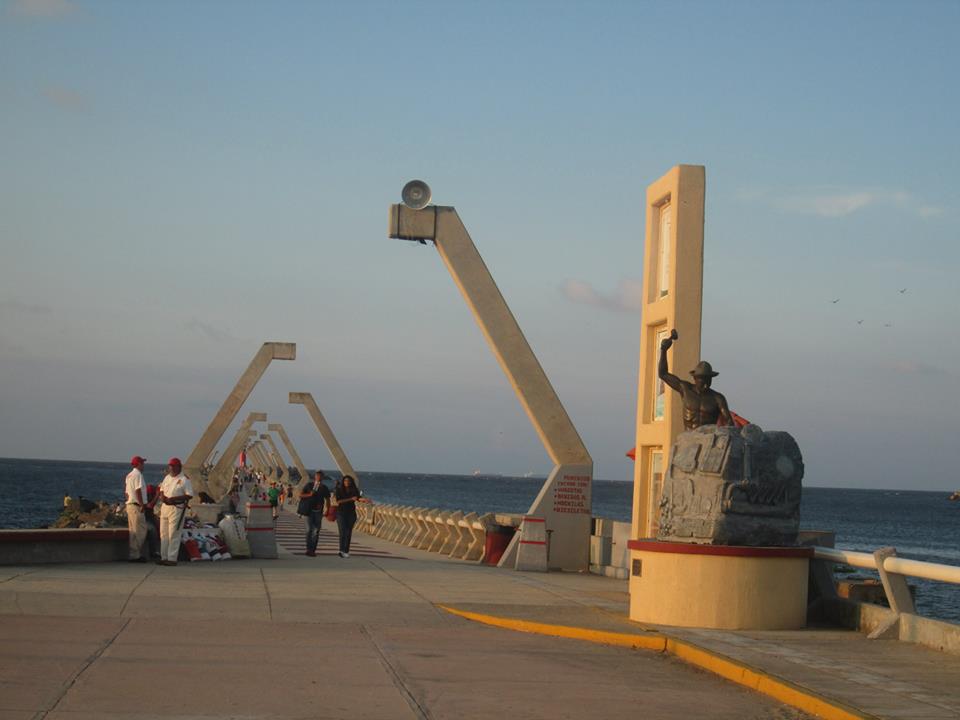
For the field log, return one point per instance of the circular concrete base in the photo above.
(721, 587)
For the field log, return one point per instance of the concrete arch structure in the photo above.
(297, 462)
(268, 352)
(564, 500)
(221, 476)
(339, 456)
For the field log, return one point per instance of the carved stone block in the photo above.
(730, 486)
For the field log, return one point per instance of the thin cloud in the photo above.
(911, 367)
(209, 331)
(628, 297)
(45, 9)
(838, 202)
(16, 306)
(66, 98)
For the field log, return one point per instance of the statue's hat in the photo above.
(703, 369)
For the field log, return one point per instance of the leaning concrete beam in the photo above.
(564, 501)
(275, 454)
(297, 462)
(221, 476)
(339, 456)
(231, 406)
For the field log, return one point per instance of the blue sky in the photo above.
(180, 182)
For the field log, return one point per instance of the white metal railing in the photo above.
(892, 564)
(452, 533)
(893, 572)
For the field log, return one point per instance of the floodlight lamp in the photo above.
(416, 194)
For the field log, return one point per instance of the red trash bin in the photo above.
(497, 539)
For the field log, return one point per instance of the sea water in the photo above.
(920, 525)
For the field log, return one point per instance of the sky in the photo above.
(183, 181)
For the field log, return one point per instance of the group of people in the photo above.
(173, 494)
(316, 501)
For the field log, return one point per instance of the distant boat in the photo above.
(955, 496)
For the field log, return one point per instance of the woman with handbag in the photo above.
(346, 494)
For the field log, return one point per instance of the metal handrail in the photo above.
(895, 565)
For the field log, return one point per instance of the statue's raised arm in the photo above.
(663, 371)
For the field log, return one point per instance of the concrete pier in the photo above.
(555, 645)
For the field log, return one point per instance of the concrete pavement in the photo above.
(364, 637)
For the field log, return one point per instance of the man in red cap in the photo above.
(175, 492)
(136, 492)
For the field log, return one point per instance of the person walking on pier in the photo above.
(314, 502)
(273, 495)
(347, 496)
(136, 502)
(175, 492)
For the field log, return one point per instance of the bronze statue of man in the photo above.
(701, 405)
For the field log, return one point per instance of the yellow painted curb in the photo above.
(781, 690)
(645, 642)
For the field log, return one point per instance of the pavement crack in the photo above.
(267, 591)
(408, 587)
(76, 676)
(418, 709)
(135, 588)
(18, 575)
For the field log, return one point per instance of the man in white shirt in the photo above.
(175, 492)
(136, 492)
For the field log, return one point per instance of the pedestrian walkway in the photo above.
(291, 536)
(368, 637)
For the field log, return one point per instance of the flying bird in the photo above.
(835, 301)
(859, 322)
(903, 291)
(888, 324)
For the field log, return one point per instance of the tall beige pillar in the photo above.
(564, 501)
(221, 476)
(297, 462)
(268, 352)
(339, 456)
(672, 299)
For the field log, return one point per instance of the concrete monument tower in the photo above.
(672, 299)
(712, 546)
(564, 501)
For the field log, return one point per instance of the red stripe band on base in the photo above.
(533, 542)
(533, 519)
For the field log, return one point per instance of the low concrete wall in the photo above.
(609, 555)
(68, 545)
(865, 617)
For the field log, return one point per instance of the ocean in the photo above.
(920, 525)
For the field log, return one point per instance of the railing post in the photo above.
(894, 585)
(898, 595)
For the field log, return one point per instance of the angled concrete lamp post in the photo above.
(564, 501)
(221, 476)
(339, 456)
(297, 462)
(268, 352)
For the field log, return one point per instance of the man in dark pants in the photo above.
(314, 502)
